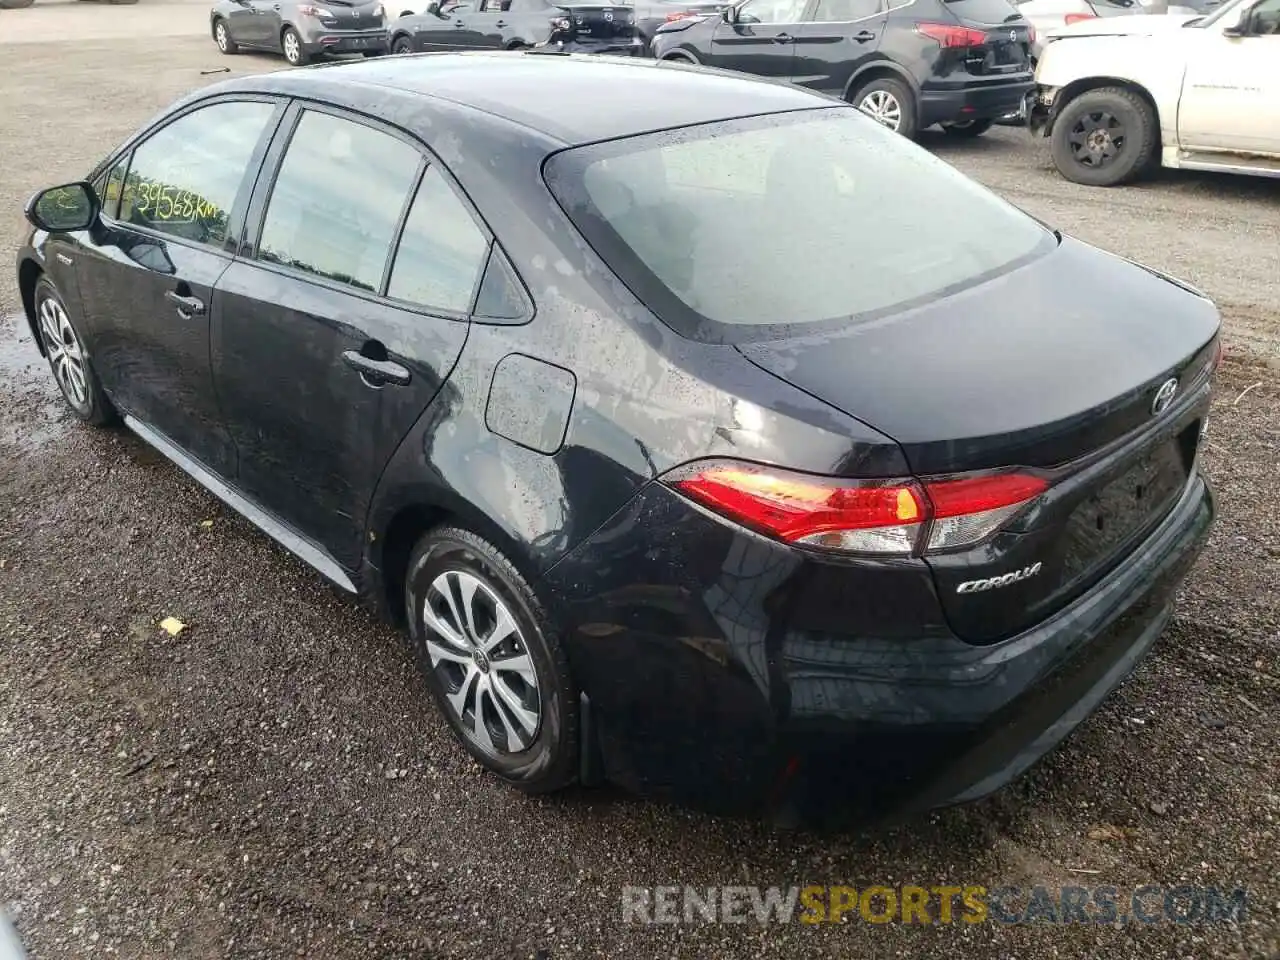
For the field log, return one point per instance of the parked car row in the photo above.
(1116, 87)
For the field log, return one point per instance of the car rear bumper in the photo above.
(345, 41)
(984, 100)
(715, 681)
(632, 47)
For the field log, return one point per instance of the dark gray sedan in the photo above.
(301, 31)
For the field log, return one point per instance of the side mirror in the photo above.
(73, 206)
(1240, 28)
(729, 14)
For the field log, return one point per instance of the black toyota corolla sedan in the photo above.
(706, 436)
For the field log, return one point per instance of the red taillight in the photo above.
(951, 36)
(1071, 18)
(1031, 35)
(858, 516)
(1219, 351)
(681, 15)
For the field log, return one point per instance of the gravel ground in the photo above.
(273, 782)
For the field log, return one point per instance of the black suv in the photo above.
(960, 63)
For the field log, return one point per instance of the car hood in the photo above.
(1134, 25)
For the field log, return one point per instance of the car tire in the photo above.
(68, 359)
(1085, 134)
(519, 722)
(402, 45)
(889, 102)
(681, 57)
(966, 130)
(291, 44)
(222, 37)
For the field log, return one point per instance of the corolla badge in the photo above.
(995, 583)
(1164, 396)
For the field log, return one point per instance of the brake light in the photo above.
(883, 517)
(1219, 351)
(681, 15)
(1071, 18)
(1031, 35)
(307, 10)
(561, 23)
(947, 35)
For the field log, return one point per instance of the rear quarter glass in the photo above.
(786, 224)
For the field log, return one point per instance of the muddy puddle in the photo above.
(35, 415)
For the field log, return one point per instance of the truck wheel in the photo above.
(1104, 137)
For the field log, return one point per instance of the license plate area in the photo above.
(1106, 520)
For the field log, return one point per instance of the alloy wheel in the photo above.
(65, 353)
(475, 647)
(1096, 138)
(220, 36)
(292, 52)
(883, 107)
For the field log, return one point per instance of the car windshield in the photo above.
(735, 230)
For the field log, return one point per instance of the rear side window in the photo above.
(184, 179)
(337, 200)
(845, 11)
(743, 229)
(441, 252)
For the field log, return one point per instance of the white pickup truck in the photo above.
(1116, 96)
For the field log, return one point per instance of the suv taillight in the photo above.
(1071, 18)
(949, 35)
(877, 517)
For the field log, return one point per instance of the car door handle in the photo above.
(188, 307)
(783, 38)
(864, 36)
(376, 372)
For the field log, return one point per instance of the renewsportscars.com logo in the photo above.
(941, 904)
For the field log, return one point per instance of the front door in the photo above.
(147, 274)
(837, 37)
(761, 40)
(332, 338)
(1231, 91)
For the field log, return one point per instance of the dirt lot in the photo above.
(272, 782)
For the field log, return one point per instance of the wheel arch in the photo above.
(680, 55)
(395, 530)
(214, 20)
(29, 274)
(1076, 88)
(877, 69)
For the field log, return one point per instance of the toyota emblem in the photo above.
(1164, 396)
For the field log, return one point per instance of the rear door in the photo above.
(342, 319)
(266, 23)
(147, 277)
(838, 37)
(482, 30)
(761, 40)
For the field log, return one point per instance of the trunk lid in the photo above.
(348, 15)
(1029, 370)
(1002, 37)
(600, 22)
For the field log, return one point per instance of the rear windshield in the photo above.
(741, 230)
(983, 11)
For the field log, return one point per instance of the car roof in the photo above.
(574, 99)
